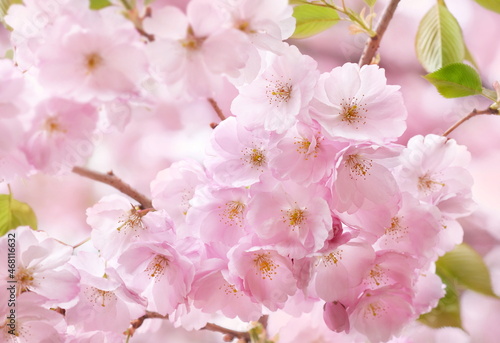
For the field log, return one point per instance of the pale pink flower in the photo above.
(303, 155)
(91, 62)
(116, 223)
(60, 135)
(382, 313)
(275, 98)
(219, 214)
(41, 266)
(265, 275)
(95, 336)
(237, 157)
(363, 180)
(191, 51)
(105, 303)
(433, 169)
(158, 272)
(266, 23)
(336, 317)
(32, 322)
(294, 219)
(174, 187)
(211, 293)
(353, 103)
(13, 162)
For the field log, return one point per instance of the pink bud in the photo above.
(335, 316)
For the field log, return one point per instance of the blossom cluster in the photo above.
(303, 198)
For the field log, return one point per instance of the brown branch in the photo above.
(373, 43)
(114, 181)
(229, 334)
(474, 113)
(217, 109)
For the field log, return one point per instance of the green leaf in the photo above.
(466, 267)
(447, 312)
(313, 19)
(98, 4)
(439, 39)
(14, 213)
(456, 80)
(370, 3)
(492, 5)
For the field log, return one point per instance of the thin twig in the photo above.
(373, 43)
(217, 109)
(467, 117)
(229, 334)
(114, 181)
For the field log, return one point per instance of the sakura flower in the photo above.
(236, 156)
(91, 62)
(219, 214)
(60, 135)
(116, 224)
(363, 180)
(159, 272)
(174, 187)
(265, 274)
(303, 155)
(336, 317)
(380, 314)
(340, 270)
(32, 322)
(41, 266)
(104, 302)
(277, 97)
(211, 293)
(296, 220)
(353, 103)
(433, 169)
(266, 24)
(193, 50)
(13, 162)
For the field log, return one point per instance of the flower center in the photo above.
(332, 258)
(98, 296)
(93, 61)
(25, 279)
(255, 157)
(278, 92)
(295, 217)
(352, 112)
(396, 231)
(156, 268)
(358, 165)
(133, 222)
(427, 185)
(52, 125)
(233, 212)
(265, 265)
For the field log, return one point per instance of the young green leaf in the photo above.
(98, 4)
(466, 267)
(14, 213)
(439, 39)
(456, 80)
(492, 5)
(313, 19)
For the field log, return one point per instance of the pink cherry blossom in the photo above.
(433, 169)
(265, 275)
(304, 155)
(104, 302)
(236, 156)
(60, 135)
(353, 103)
(12, 101)
(42, 266)
(117, 223)
(277, 97)
(158, 272)
(294, 219)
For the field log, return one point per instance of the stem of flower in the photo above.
(474, 113)
(373, 43)
(114, 181)
(217, 109)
